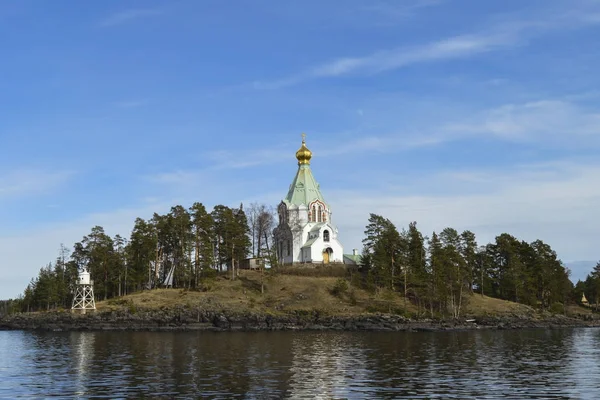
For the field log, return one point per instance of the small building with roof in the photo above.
(352, 259)
(305, 232)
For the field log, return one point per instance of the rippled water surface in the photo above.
(480, 364)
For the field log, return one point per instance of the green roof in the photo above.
(310, 242)
(304, 189)
(354, 258)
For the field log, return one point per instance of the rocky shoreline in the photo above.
(186, 319)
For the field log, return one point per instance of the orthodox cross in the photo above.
(303, 137)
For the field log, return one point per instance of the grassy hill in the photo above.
(288, 300)
(285, 294)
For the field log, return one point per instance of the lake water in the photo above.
(523, 364)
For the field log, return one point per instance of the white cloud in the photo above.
(24, 254)
(454, 47)
(502, 34)
(27, 182)
(554, 201)
(557, 203)
(550, 121)
(128, 15)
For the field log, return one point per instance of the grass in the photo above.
(295, 293)
(284, 293)
(483, 305)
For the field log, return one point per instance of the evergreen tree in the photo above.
(101, 262)
(203, 232)
(386, 250)
(141, 256)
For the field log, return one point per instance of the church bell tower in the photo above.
(306, 233)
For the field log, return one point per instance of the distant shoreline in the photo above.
(252, 302)
(186, 319)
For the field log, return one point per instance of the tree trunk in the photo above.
(481, 279)
(405, 286)
(232, 262)
(392, 285)
(197, 258)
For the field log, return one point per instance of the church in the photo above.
(306, 233)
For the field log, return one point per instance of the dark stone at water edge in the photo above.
(188, 319)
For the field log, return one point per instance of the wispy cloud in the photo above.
(554, 122)
(232, 159)
(24, 263)
(549, 120)
(455, 47)
(26, 182)
(556, 203)
(503, 34)
(326, 146)
(127, 16)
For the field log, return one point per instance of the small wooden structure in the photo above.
(253, 263)
(584, 301)
(84, 294)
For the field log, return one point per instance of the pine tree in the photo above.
(203, 231)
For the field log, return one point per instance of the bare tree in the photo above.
(253, 212)
(265, 225)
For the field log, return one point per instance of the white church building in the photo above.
(306, 233)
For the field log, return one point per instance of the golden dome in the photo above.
(303, 154)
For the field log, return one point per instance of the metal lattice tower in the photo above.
(84, 294)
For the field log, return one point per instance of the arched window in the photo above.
(320, 214)
(326, 236)
(314, 214)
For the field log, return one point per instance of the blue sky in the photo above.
(479, 115)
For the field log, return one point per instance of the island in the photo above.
(289, 301)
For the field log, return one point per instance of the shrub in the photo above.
(312, 270)
(340, 287)
(132, 308)
(352, 297)
(557, 308)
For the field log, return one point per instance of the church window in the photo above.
(326, 236)
(324, 216)
(314, 214)
(320, 214)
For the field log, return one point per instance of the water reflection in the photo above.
(82, 350)
(327, 365)
(324, 366)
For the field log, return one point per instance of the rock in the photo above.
(197, 318)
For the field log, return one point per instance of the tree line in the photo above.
(177, 249)
(440, 272)
(181, 248)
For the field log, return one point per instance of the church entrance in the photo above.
(327, 255)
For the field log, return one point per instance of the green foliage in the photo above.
(193, 243)
(9, 307)
(436, 273)
(439, 276)
(132, 308)
(340, 287)
(557, 308)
